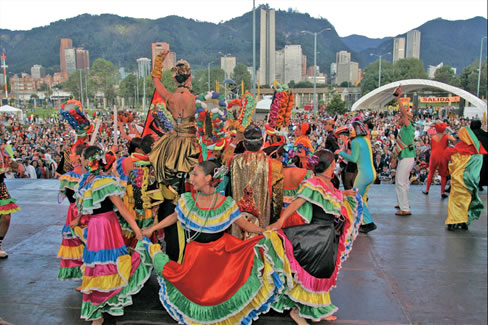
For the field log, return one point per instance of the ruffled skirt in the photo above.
(110, 275)
(143, 217)
(7, 203)
(177, 151)
(228, 281)
(309, 293)
(71, 250)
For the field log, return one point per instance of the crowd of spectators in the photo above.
(40, 143)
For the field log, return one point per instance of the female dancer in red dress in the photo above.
(439, 143)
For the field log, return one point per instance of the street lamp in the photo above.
(479, 70)
(208, 68)
(379, 72)
(315, 106)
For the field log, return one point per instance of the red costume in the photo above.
(438, 159)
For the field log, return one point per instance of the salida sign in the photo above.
(452, 99)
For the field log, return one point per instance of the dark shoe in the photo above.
(403, 213)
(444, 195)
(425, 192)
(463, 226)
(367, 228)
(451, 227)
(397, 207)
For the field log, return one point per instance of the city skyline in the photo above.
(340, 13)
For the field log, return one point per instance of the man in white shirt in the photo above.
(30, 171)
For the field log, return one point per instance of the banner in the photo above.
(453, 99)
(150, 126)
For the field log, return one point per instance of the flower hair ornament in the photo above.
(220, 172)
(94, 163)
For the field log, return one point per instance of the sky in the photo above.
(371, 18)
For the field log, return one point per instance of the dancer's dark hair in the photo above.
(326, 157)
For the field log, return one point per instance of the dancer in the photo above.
(110, 275)
(293, 178)
(222, 280)
(405, 152)
(140, 187)
(482, 136)
(316, 250)
(466, 158)
(177, 152)
(439, 143)
(7, 203)
(71, 250)
(362, 155)
(257, 181)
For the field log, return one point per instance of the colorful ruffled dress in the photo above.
(465, 204)
(316, 250)
(293, 178)
(110, 275)
(7, 203)
(140, 180)
(71, 250)
(222, 280)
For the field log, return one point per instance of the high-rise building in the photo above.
(66, 43)
(398, 48)
(170, 60)
(347, 70)
(228, 63)
(70, 60)
(304, 65)
(413, 44)
(82, 59)
(38, 71)
(343, 57)
(143, 67)
(288, 64)
(267, 47)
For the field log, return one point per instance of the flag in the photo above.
(151, 125)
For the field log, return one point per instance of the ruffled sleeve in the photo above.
(90, 196)
(69, 181)
(208, 221)
(315, 194)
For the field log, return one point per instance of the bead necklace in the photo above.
(187, 227)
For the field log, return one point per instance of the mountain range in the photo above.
(122, 40)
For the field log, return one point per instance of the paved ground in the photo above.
(411, 270)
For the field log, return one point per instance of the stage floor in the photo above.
(411, 270)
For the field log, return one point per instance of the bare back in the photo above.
(181, 103)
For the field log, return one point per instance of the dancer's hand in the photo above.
(75, 222)
(147, 232)
(275, 226)
(164, 53)
(349, 192)
(138, 234)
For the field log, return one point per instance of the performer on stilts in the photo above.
(177, 152)
(438, 161)
(7, 203)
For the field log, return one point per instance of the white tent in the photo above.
(262, 107)
(12, 110)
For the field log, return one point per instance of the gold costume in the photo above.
(177, 151)
(265, 177)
